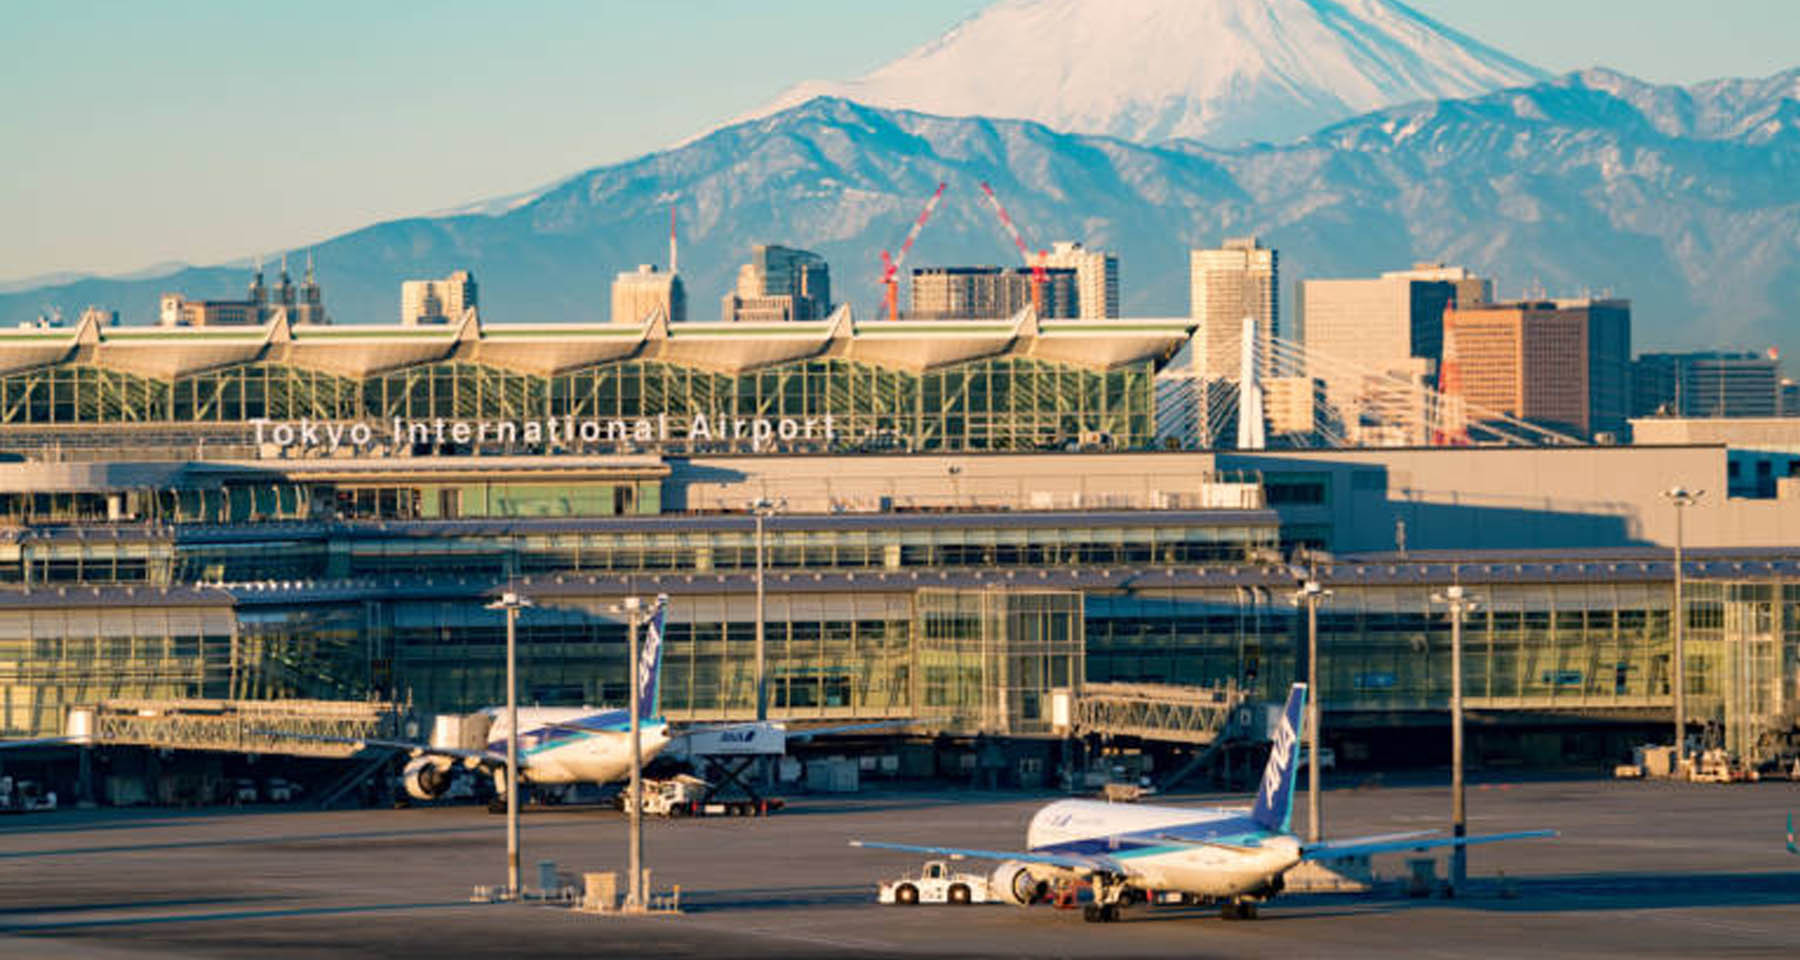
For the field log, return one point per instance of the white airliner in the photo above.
(561, 746)
(557, 745)
(1212, 855)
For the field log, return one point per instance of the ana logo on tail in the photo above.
(650, 658)
(1274, 800)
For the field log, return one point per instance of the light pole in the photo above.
(1681, 497)
(1459, 603)
(1310, 593)
(512, 603)
(634, 899)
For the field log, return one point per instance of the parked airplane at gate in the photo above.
(561, 746)
(1213, 855)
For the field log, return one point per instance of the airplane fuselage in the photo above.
(1205, 852)
(561, 745)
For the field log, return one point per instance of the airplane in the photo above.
(1222, 855)
(564, 746)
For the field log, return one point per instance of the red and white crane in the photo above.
(1039, 275)
(890, 266)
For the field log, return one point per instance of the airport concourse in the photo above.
(953, 526)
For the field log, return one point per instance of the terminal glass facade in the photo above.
(1000, 403)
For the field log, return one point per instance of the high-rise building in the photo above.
(637, 294)
(1557, 363)
(1096, 278)
(1236, 280)
(1373, 341)
(1706, 384)
(303, 305)
(951, 293)
(1609, 362)
(426, 302)
(779, 284)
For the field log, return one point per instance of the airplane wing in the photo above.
(804, 735)
(1397, 842)
(416, 749)
(41, 742)
(1072, 861)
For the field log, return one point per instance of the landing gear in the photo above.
(1109, 894)
(1237, 910)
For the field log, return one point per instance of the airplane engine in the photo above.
(426, 778)
(1015, 882)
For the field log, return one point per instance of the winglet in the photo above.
(650, 660)
(1275, 799)
(1793, 848)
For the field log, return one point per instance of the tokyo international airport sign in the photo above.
(330, 436)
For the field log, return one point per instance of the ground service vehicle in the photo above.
(936, 884)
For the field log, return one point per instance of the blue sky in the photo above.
(201, 130)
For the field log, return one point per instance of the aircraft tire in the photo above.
(1109, 913)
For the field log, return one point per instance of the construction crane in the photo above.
(1039, 275)
(890, 266)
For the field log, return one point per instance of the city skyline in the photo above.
(163, 206)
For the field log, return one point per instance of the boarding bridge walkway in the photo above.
(1148, 711)
(307, 728)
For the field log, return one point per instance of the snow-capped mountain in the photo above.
(1222, 71)
(1684, 199)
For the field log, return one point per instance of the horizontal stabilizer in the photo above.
(1395, 843)
(1069, 860)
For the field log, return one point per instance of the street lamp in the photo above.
(1311, 594)
(763, 508)
(634, 899)
(512, 602)
(1680, 497)
(1459, 603)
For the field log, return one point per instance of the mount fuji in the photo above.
(1685, 199)
(1222, 71)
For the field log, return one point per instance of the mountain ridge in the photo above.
(1585, 181)
(1226, 71)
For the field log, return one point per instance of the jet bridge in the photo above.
(294, 727)
(1172, 714)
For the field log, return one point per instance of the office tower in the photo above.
(1377, 342)
(779, 284)
(637, 294)
(1237, 279)
(1557, 363)
(952, 293)
(1609, 362)
(1096, 278)
(425, 302)
(1706, 384)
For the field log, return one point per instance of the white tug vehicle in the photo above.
(936, 884)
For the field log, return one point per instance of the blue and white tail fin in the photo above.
(650, 660)
(1275, 799)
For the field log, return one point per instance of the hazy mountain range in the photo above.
(1686, 199)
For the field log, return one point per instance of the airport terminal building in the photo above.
(959, 520)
